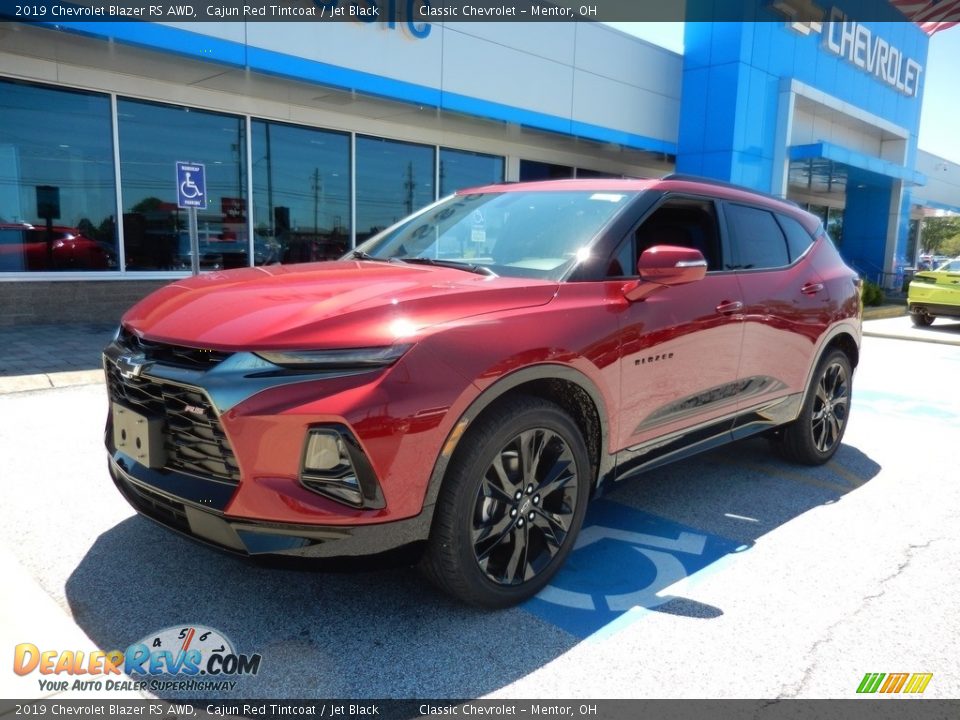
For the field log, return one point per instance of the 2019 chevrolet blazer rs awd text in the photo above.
(464, 382)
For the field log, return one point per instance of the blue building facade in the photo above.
(779, 105)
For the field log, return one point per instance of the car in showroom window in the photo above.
(457, 389)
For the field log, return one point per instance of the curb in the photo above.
(49, 381)
(884, 312)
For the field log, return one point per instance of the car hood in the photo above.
(323, 305)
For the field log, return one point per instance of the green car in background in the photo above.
(935, 293)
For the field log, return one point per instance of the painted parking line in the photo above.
(888, 403)
(623, 563)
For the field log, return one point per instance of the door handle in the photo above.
(811, 288)
(729, 307)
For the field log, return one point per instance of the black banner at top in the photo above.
(412, 12)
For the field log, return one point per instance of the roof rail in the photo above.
(684, 177)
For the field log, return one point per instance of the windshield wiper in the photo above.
(361, 255)
(469, 267)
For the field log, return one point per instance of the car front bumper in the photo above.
(162, 500)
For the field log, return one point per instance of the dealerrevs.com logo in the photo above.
(187, 657)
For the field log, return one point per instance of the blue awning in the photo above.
(852, 158)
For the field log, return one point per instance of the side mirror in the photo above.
(665, 265)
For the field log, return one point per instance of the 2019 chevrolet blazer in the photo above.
(463, 383)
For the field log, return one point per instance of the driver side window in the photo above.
(680, 221)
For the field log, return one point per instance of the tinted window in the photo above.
(462, 169)
(680, 221)
(393, 179)
(798, 239)
(56, 171)
(531, 170)
(757, 238)
(301, 193)
(152, 139)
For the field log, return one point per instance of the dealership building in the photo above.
(313, 136)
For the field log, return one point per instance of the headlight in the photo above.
(348, 358)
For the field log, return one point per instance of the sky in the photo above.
(940, 116)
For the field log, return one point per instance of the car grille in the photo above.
(194, 439)
(174, 355)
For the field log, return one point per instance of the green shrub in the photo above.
(872, 294)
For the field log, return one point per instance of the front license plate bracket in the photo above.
(139, 436)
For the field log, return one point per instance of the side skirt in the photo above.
(745, 423)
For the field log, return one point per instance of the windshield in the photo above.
(518, 234)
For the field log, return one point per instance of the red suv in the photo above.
(464, 382)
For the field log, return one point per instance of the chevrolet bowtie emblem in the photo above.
(131, 365)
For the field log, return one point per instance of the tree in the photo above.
(937, 231)
(951, 247)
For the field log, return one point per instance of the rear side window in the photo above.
(757, 238)
(798, 239)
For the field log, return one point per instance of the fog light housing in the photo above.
(334, 465)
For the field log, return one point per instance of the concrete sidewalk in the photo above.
(943, 331)
(38, 357)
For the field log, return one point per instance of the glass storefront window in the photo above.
(301, 193)
(820, 211)
(393, 179)
(463, 169)
(57, 184)
(152, 139)
(533, 170)
(835, 226)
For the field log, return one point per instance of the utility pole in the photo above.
(316, 200)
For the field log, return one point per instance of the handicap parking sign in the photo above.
(191, 186)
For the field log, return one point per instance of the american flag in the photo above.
(931, 15)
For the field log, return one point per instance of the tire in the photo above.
(511, 505)
(921, 319)
(813, 438)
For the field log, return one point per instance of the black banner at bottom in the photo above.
(854, 709)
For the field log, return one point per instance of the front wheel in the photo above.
(813, 438)
(511, 505)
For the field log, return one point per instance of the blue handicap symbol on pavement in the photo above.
(622, 561)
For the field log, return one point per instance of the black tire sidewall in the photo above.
(798, 443)
(458, 495)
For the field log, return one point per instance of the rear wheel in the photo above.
(813, 438)
(921, 319)
(511, 505)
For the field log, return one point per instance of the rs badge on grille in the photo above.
(194, 410)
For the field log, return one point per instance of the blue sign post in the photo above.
(192, 196)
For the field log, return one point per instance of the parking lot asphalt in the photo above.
(38, 358)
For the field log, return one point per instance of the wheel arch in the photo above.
(843, 337)
(562, 385)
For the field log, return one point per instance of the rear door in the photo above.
(786, 308)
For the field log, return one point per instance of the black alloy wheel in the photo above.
(831, 407)
(524, 506)
(511, 504)
(814, 437)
